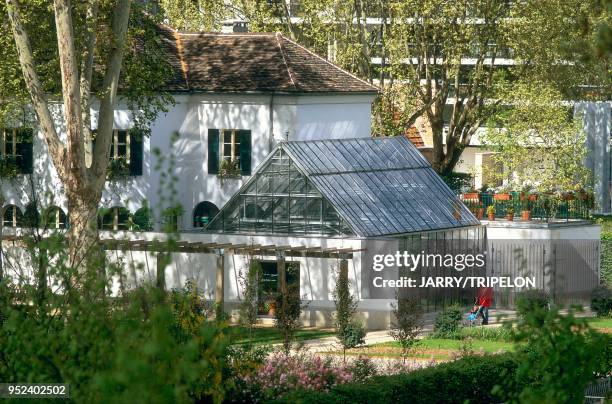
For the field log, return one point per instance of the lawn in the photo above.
(603, 324)
(270, 335)
(436, 348)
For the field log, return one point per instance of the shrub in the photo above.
(407, 324)
(362, 369)
(350, 333)
(601, 301)
(471, 378)
(531, 300)
(448, 322)
(561, 355)
(283, 373)
(287, 319)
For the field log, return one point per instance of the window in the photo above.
(126, 151)
(16, 148)
(12, 216)
(115, 218)
(120, 146)
(233, 145)
(203, 213)
(269, 284)
(55, 218)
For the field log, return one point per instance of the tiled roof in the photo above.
(414, 136)
(252, 62)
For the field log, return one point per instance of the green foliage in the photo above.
(352, 335)
(537, 122)
(468, 379)
(350, 332)
(287, 318)
(407, 323)
(606, 259)
(142, 220)
(117, 170)
(250, 288)
(108, 351)
(229, 169)
(8, 168)
(448, 322)
(531, 300)
(561, 355)
(601, 301)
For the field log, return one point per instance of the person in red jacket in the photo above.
(483, 300)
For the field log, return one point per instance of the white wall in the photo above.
(270, 119)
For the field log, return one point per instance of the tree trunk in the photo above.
(83, 232)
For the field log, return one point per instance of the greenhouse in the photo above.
(364, 187)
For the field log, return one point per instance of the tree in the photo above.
(90, 39)
(407, 324)
(350, 332)
(537, 141)
(250, 288)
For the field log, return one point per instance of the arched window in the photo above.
(115, 218)
(12, 216)
(203, 213)
(55, 218)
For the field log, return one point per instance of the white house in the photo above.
(236, 96)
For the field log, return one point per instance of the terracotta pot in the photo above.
(502, 197)
(533, 197)
(525, 215)
(479, 213)
(472, 196)
(491, 216)
(272, 310)
(510, 217)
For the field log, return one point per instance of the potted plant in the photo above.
(271, 308)
(510, 213)
(491, 212)
(471, 195)
(479, 211)
(229, 169)
(525, 210)
(567, 196)
(502, 194)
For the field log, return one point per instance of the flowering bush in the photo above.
(283, 373)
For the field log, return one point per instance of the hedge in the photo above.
(470, 378)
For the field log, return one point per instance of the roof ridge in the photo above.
(329, 63)
(282, 52)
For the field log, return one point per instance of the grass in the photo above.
(270, 335)
(438, 348)
(601, 323)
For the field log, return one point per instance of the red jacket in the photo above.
(485, 296)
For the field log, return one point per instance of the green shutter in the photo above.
(213, 151)
(245, 151)
(24, 150)
(136, 152)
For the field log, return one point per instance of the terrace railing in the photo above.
(542, 207)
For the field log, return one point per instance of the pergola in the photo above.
(162, 247)
(220, 249)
